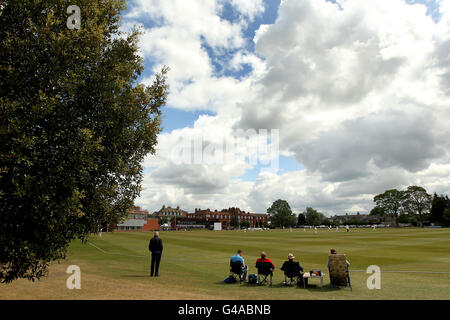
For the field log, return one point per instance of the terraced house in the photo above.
(170, 212)
(206, 218)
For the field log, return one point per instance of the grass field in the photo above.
(195, 263)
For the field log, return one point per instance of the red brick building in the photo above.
(205, 218)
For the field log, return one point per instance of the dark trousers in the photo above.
(302, 281)
(156, 258)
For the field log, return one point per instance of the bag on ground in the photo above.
(230, 279)
(252, 278)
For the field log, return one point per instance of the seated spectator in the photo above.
(338, 269)
(237, 258)
(333, 251)
(265, 269)
(291, 265)
(293, 269)
(264, 259)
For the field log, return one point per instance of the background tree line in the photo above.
(281, 215)
(413, 205)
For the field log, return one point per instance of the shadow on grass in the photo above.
(325, 288)
(309, 287)
(134, 276)
(231, 284)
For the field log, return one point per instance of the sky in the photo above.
(322, 103)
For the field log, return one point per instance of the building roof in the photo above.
(133, 223)
(138, 210)
(168, 209)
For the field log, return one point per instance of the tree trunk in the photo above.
(420, 219)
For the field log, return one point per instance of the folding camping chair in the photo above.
(294, 275)
(236, 270)
(265, 271)
(339, 273)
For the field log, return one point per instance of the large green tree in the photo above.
(438, 206)
(391, 202)
(446, 217)
(234, 220)
(162, 220)
(281, 215)
(418, 201)
(74, 128)
(377, 211)
(301, 219)
(245, 224)
(313, 217)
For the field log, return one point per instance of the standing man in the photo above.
(156, 247)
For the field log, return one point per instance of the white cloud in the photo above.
(360, 94)
(327, 67)
(181, 31)
(249, 8)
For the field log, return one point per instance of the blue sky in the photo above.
(432, 7)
